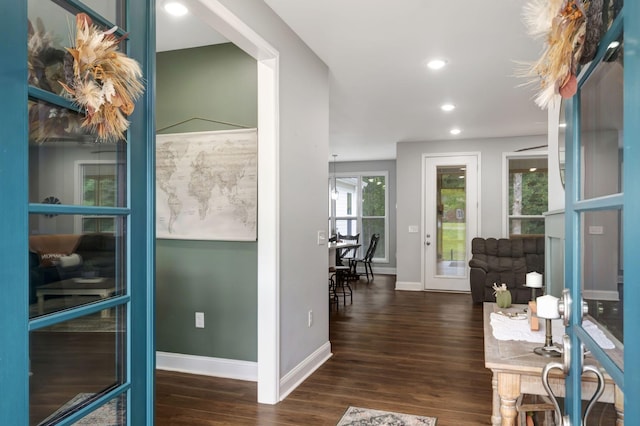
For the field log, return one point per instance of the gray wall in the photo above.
(218, 278)
(409, 186)
(303, 90)
(388, 166)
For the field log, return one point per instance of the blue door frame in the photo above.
(15, 209)
(627, 378)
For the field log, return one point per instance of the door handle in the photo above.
(565, 366)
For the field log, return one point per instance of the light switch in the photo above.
(413, 229)
(322, 238)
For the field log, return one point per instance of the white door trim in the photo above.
(236, 31)
(423, 212)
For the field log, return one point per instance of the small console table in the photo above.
(517, 370)
(102, 288)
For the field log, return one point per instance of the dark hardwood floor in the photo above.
(411, 352)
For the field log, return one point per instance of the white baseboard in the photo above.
(409, 286)
(382, 270)
(600, 295)
(208, 366)
(295, 377)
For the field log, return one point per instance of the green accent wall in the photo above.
(218, 278)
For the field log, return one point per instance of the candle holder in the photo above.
(547, 308)
(549, 350)
(534, 282)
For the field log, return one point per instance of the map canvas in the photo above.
(206, 185)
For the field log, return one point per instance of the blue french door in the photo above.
(77, 226)
(602, 211)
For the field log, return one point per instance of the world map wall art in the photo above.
(207, 186)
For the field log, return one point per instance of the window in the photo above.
(527, 195)
(361, 208)
(97, 187)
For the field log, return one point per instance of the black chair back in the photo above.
(371, 250)
(349, 238)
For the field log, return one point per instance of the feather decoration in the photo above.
(103, 80)
(563, 23)
(538, 15)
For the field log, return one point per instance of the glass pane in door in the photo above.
(75, 361)
(67, 166)
(69, 268)
(603, 279)
(601, 127)
(451, 198)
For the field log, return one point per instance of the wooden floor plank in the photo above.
(410, 352)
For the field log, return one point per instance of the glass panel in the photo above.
(373, 196)
(347, 201)
(66, 166)
(528, 195)
(68, 268)
(526, 226)
(601, 126)
(562, 135)
(108, 9)
(53, 29)
(74, 361)
(610, 10)
(451, 220)
(347, 227)
(602, 278)
(370, 227)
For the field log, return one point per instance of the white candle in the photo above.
(547, 307)
(534, 280)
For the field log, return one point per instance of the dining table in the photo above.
(337, 250)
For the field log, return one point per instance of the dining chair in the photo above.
(350, 253)
(367, 258)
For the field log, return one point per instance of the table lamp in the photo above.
(547, 308)
(534, 281)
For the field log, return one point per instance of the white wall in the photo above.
(303, 152)
(409, 197)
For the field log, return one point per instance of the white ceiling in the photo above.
(381, 91)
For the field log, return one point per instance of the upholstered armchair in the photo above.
(505, 260)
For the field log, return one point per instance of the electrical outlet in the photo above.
(310, 318)
(199, 319)
(596, 230)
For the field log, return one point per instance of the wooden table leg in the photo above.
(509, 391)
(495, 410)
(619, 405)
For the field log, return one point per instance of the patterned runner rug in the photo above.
(356, 416)
(110, 414)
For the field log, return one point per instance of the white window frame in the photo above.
(78, 196)
(358, 217)
(506, 156)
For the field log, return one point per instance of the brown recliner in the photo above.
(504, 260)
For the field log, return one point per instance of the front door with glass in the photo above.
(450, 220)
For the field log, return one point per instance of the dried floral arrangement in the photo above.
(102, 80)
(563, 23)
(45, 69)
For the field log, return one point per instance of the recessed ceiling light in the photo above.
(455, 131)
(175, 8)
(448, 107)
(436, 64)
(562, 125)
(533, 169)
